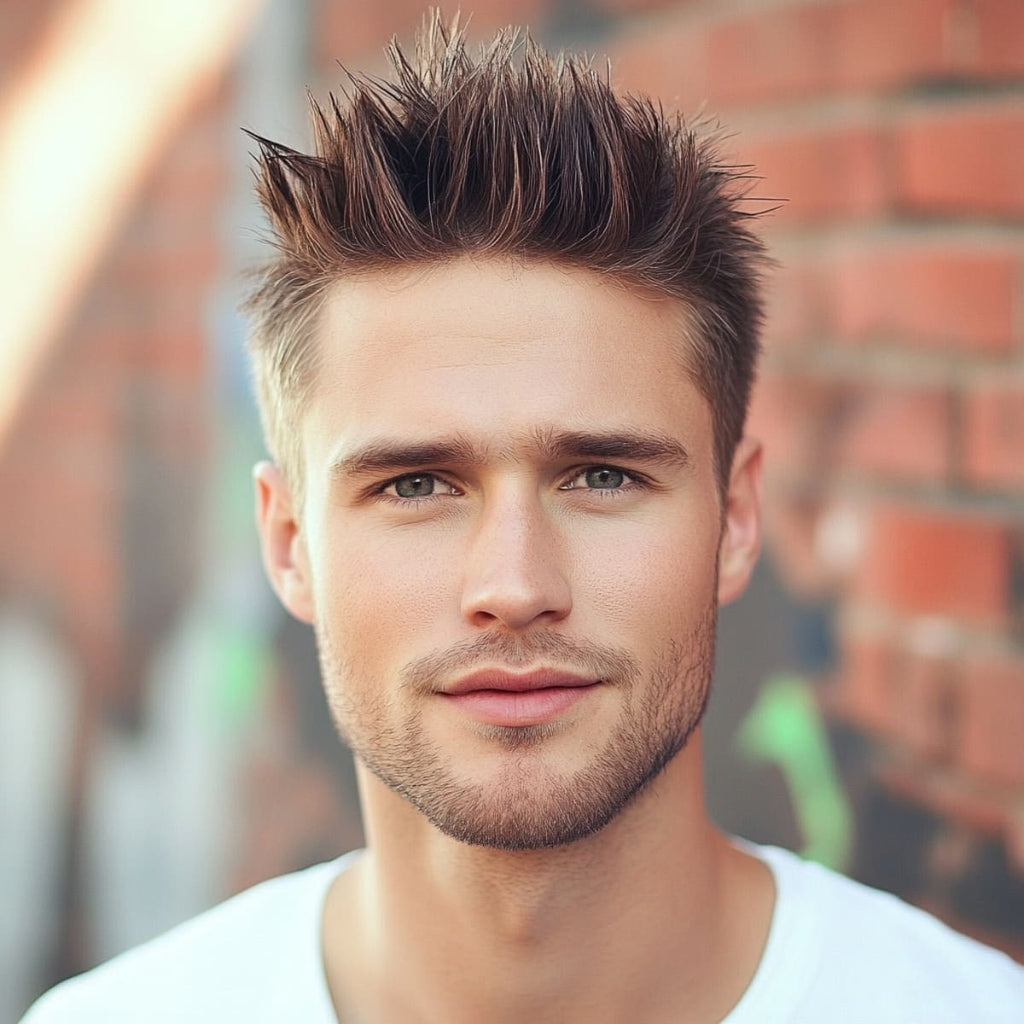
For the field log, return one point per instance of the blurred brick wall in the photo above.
(102, 474)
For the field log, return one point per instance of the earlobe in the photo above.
(741, 533)
(281, 541)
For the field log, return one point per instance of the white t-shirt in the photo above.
(837, 952)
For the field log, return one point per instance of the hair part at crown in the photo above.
(517, 154)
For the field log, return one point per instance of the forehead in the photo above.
(485, 346)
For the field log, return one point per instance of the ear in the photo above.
(741, 533)
(285, 558)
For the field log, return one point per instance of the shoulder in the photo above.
(866, 948)
(230, 963)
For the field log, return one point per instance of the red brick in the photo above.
(885, 45)
(864, 693)
(162, 217)
(170, 359)
(354, 32)
(45, 538)
(997, 28)
(191, 261)
(895, 432)
(199, 185)
(23, 28)
(770, 55)
(991, 736)
(61, 424)
(962, 161)
(921, 563)
(177, 308)
(935, 296)
(821, 175)
(788, 414)
(204, 129)
(795, 306)
(671, 65)
(812, 49)
(823, 428)
(897, 44)
(819, 428)
(994, 435)
(49, 479)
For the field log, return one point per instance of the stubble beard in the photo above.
(528, 806)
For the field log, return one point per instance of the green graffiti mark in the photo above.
(241, 676)
(785, 727)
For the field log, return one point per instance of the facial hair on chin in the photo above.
(529, 806)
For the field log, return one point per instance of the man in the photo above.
(503, 357)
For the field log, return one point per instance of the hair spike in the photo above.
(514, 153)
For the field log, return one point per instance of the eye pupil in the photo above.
(605, 478)
(420, 486)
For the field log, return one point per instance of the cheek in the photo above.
(660, 576)
(374, 593)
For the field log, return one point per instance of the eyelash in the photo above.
(633, 481)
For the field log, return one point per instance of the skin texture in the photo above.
(570, 861)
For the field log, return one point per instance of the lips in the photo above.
(515, 700)
(513, 682)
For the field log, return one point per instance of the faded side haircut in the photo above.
(509, 152)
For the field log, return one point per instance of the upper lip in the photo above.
(517, 682)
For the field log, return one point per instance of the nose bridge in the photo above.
(514, 571)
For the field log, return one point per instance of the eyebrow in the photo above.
(632, 445)
(385, 455)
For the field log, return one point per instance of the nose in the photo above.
(514, 568)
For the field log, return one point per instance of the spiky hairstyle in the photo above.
(506, 153)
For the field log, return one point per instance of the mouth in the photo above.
(518, 682)
(516, 700)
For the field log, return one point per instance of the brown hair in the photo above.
(517, 154)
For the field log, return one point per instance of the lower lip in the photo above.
(520, 707)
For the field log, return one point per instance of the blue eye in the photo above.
(419, 485)
(604, 477)
(599, 478)
(413, 486)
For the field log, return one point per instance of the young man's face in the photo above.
(511, 543)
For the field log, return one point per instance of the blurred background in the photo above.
(163, 738)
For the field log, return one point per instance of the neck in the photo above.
(658, 903)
